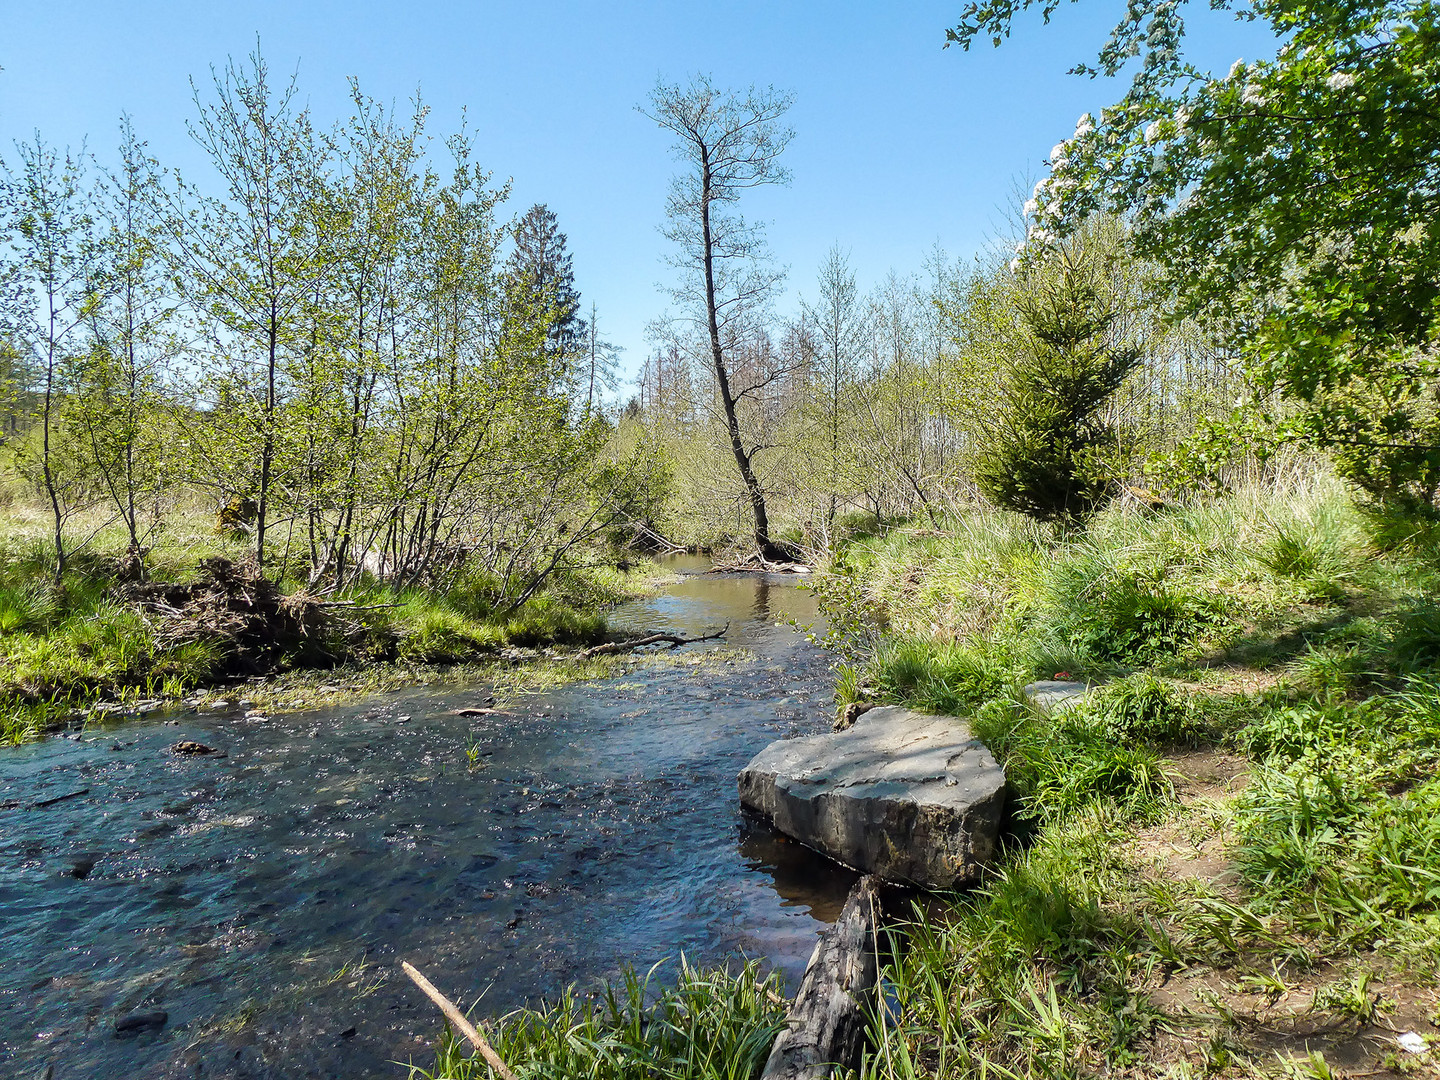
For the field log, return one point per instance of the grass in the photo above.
(1149, 919)
(63, 650)
(708, 1025)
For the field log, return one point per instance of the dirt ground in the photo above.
(1267, 1013)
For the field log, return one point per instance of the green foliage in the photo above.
(710, 1025)
(1279, 215)
(1415, 645)
(1132, 618)
(1032, 975)
(1063, 764)
(943, 679)
(1144, 709)
(1337, 826)
(1047, 451)
(1049, 970)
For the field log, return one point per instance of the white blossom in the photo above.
(1341, 80)
(1040, 236)
(1057, 152)
(1015, 265)
(1152, 132)
(1084, 126)
(1237, 68)
(1253, 95)
(1182, 117)
(1031, 205)
(1020, 248)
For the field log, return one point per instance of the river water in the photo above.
(264, 899)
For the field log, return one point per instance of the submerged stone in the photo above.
(911, 798)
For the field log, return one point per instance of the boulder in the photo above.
(911, 798)
(1055, 695)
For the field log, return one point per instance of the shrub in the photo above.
(1134, 618)
(1142, 708)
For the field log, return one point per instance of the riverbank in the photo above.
(1225, 861)
(199, 623)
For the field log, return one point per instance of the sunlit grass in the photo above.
(1328, 834)
(709, 1025)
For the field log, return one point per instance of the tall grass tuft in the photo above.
(710, 1025)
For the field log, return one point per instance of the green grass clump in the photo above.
(1338, 825)
(1108, 613)
(1134, 589)
(1033, 975)
(710, 1025)
(1144, 709)
(1060, 765)
(938, 678)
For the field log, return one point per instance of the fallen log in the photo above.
(825, 1027)
(673, 640)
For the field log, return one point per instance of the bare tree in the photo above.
(728, 142)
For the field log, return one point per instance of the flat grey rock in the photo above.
(911, 798)
(1052, 695)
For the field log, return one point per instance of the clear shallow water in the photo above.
(265, 898)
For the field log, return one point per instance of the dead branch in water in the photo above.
(673, 640)
(755, 561)
(456, 1017)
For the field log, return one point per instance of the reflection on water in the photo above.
(264, 898)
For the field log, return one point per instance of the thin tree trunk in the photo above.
(50, 488)
(717, 357)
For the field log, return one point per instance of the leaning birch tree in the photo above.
(728, 142)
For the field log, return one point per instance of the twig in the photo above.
(674, 641)
(59, 798)
(456, 1017)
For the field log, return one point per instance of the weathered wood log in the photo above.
(673, 640)
(825, 1028)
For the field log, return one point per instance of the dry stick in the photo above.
(456, 1017)
(674, 641)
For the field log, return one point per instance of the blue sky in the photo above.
(900, 143)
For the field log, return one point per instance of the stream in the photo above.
(264, 898)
